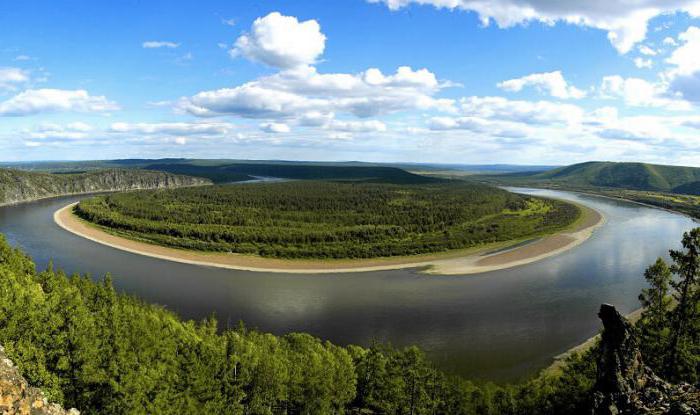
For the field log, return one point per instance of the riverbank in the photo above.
(560, 360)
(485, 258)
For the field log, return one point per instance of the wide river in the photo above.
(501, 325)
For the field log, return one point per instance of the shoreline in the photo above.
(560, 360)
(490, 257)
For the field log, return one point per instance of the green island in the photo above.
(328, 220)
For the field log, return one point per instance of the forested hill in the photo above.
(245, 171)
(20, 186)
(634, 176)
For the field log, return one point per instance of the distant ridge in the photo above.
(633, 176)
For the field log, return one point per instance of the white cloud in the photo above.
(357, 126)
(526, 112)
(684, 75)
(638, 92)
(643, 63)
(281, 41)
(303, 91)
(51, 132)
(552, 83)
(669, 41)
(626, 22)
(686, 58)
(174, 128)
(647, 51)
(35, 101)
(157, 44)
(10, 78)
(275, 127)
(229, 22)
(22, 58)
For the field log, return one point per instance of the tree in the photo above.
(655, 319)
(679, 361)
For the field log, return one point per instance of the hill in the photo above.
(596, 174)
(20, 186)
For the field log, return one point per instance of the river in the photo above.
(501, 325)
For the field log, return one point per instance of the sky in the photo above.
(433, 81)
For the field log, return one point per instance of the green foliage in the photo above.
(327, 219)
(107, 353)
(670, 322)
(656, 301)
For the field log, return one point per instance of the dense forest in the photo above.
(312, 219)
(20, 186)
(89, 347)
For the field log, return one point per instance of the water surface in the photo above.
(501, 325)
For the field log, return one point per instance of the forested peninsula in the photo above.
(18, 186)
(328, 220)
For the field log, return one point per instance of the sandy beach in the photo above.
(459, 262)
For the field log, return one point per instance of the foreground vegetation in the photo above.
(89, 347)
(326, 219)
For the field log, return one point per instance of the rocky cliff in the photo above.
(624, 385)
(18, 186)
(18, 398)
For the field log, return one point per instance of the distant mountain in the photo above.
(633, 176)
(232, 172)
(20, 186)
(73, 166)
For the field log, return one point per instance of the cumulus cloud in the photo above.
(643, 63)
(357, 126)
(526, 112)
(638, 92)
(552, 83)
(157, 44)
(10, 78)
(479, 126)
(669, 41)
(303, 91)
(281, 41)
(35, 101)
(174, 128)
(625, 22)
(685, 60)
(275, 127)
(646, 50)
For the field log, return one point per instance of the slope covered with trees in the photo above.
(327, 219)
(633, 176)
(89, 347)
(20, 186)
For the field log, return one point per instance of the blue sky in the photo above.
(452, 81)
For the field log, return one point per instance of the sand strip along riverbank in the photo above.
(459, 262)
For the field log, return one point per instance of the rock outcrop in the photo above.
(18, 186)
(18, 398)
(624, 385)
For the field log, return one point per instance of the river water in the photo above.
(502, 325)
